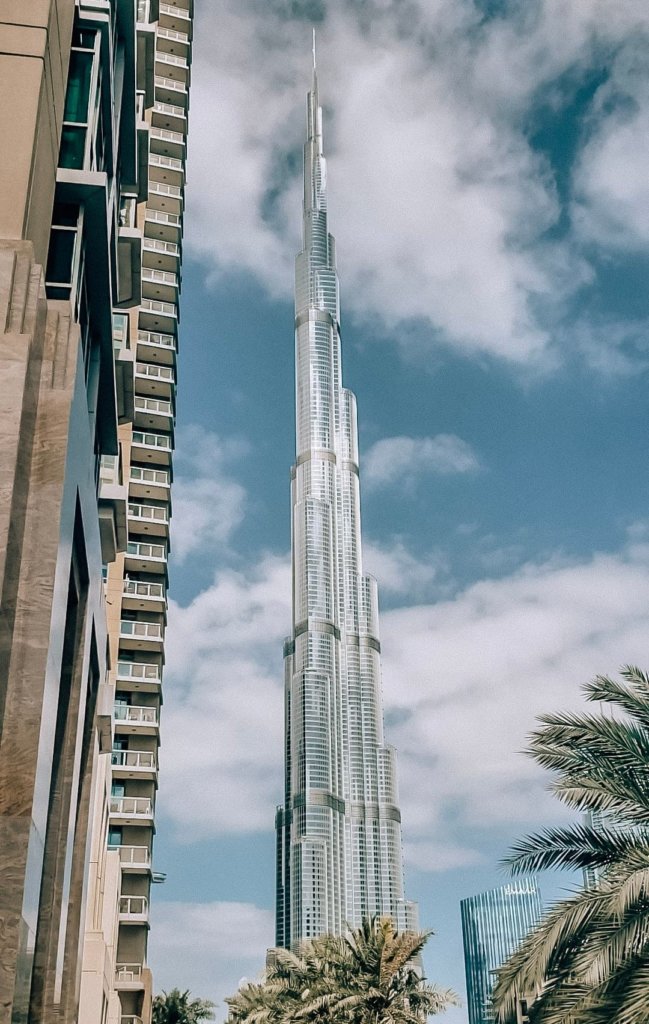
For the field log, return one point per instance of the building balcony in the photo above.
(149, 447)
(156, 413)
(143, 557)
(133, 910)
(175, 17)
(171, 90)
(155, 347)
(158, 224)
(161, 255)
(138, 676)
(131, 810)
(154, 380)
(165, 198)
(130, 1018)
(167, 143)
(150, 519)
(135, 635)
(172, 65)
(158, 316)
(140, 595)
(134, 764)
(128, 978)
(161, 285)
(170, 116)
(167, 169)
(171, 40)
(136, 860)
(134, 720)
(112, 500)
(149, 483)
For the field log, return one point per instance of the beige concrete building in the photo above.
(93, 123)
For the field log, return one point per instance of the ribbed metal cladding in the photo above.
(494, 923)
(339, 856)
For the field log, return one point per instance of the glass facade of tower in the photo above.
(339, 855)
(494, 923)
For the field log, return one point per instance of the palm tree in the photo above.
(587, 962)
(367, 975)
(176, 1007)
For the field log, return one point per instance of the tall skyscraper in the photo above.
(93, 125)
(494, 923)
(339, 856)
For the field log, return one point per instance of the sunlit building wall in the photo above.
(493, 924)
(339, 856)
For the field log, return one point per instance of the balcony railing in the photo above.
(136, 714)
(154, 513)
(147, 440)
(157, 306)
(171, 33)
(157, 339)
(141, 550)
(161, 217)
(160, 276)
(136, 588)
(131, 975)
(144, 630)
(158, 245)
(157, 406)
(171, 58)
(160, 188)
(144, 759)
(169, 108)
(166, 135)
(138, 670)
(157, 477)
(133, 856)
(153, 370)
(131, 806)
(130, 1018)
(174, 11)
(134, 908)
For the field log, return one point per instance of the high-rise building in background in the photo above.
(339, 856)
(494, 923)
(93, 128)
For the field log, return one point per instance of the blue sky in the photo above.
(487, 168)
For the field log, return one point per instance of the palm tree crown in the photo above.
(176, 1007)
(367, 975)
(587, 962)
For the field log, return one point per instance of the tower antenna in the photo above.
(314, 49)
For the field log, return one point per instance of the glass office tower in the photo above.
(494, 923)
(339, 855)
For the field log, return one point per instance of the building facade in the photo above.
(93, 123)
(494, 923)
(339, 856)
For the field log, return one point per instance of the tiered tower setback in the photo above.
(339, 856)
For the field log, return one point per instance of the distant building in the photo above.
(493, 924)
(339, 856)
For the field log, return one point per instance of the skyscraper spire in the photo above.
(339, 854)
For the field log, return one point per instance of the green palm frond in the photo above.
(578, 846)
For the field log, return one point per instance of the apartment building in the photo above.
(94, 127)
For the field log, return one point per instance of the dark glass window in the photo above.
(59, 259)
(78, 94)
(73, 146)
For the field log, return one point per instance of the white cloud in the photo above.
(224, 702)
(440, 205)
(205, 947)
(208, 504)
(463, 680)
(403, 460)
(398, 571)
(612, 207)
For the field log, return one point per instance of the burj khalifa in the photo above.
(339, 855)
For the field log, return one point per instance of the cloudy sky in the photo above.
(488, 192)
